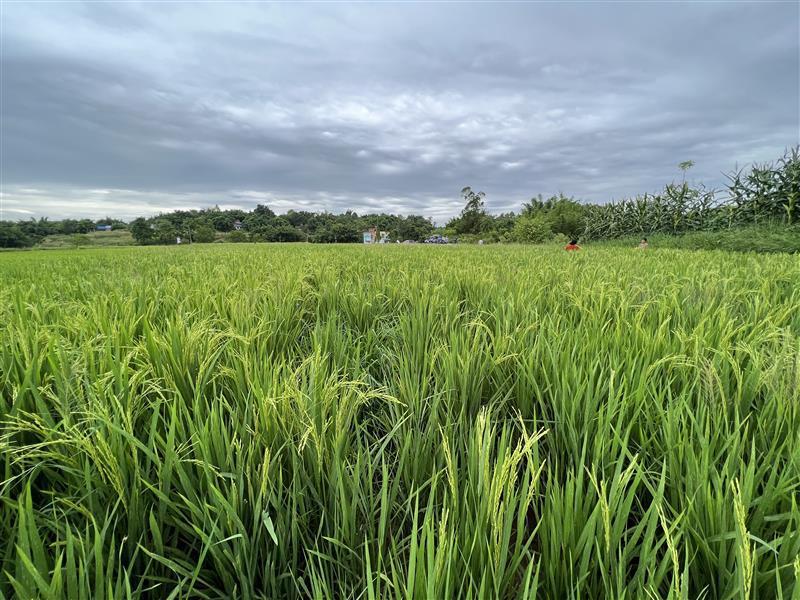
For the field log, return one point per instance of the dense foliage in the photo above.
(399, 422)
(259, 225)
(541, 219)
(263, 225)
(473, 218)
(22, 234)
(753, 238)
(762, 194)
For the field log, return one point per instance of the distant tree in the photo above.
(302, 219)
(40, 228)
(503, 227)
(413, 227)
(321, 222)
(284, 231)
(564, 214)
(473, 218)
(343, 229)
(223, 220)
(278, 229)
(165, 232)
(69, 226)
(85, 226)
(532, 229)
(203, 233)
(141, 231)
(264, 211)
(346, 231)
(13, 236)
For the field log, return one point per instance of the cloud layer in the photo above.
(131, 109)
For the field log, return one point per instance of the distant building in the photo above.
(371, 236)
(103, 228)
(237, 225)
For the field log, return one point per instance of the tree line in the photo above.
(22, 234)
(263, 225)
(760, 194)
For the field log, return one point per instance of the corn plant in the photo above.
(761, 194)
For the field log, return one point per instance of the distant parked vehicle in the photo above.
(437, 239)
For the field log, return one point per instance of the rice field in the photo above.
(297, 421)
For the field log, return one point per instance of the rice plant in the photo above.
(399, 422)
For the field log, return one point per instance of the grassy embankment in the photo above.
(766, 240)
(93, 239)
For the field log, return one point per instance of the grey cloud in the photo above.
(395, 106)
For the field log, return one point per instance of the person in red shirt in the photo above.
(573, 245)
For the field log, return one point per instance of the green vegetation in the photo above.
(263, 225)
(763, 195)
(297, 421)
(541, 220)
(118, 237)
(23, 234)
(766, 239)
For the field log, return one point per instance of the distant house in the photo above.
(103, 228)
(237, 225)
(371, 236)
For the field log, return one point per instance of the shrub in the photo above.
(80, 239)
(12, 236)
(565, 215)
(532, 229)
(761, 239)
(203, 234)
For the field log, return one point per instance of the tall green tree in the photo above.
(473, 218)
(203, 233)
(13, 236)
(562, 213)
(141, 231)
(164, 232)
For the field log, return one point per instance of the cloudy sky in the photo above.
(128, 109)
